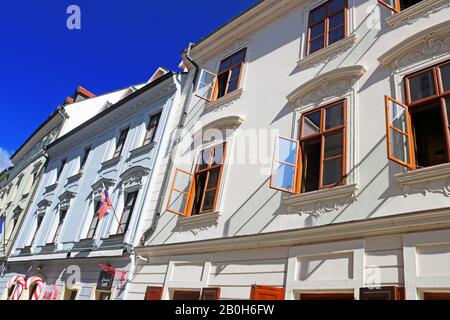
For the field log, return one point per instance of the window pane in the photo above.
(287, 151)
(336, 35)
(126, 214)
(218, 155)
(206, 84)
(335, 5)
(422, 86)
(445, 76)
(213, 179)
(311, 165)
(238, 57)
(399, 146)
(283, 176)
(398, 116)
(178, 201)
(390, 3)
(183, 181)
(208, 203)
(317, 14)
(316, 45)
(332, 171)
(317, 30)
(200, 183)
(222, 81)
(333, 145)
(311, 124)
(224, 65)
(233, 85)
(334, 116)
(204, 159)
(336, 20)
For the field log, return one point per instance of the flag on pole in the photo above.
(105, 204)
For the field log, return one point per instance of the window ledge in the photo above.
(199, 222)
(74, 178)
(111, 162)
(143, 149)
(425, 175)
(225, 100)
(327, 53)
(339, 192)
(415, 12)
(51, 187)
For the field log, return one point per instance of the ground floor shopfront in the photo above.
(65, 279)
(400, 257)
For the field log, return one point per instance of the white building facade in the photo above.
(305, 171)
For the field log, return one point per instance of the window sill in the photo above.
(199, 222)
(111, 162)
(417, 11)
(339, 192)
(74, 178)
(142, 149)
(327, 53)
(425, 175)
(51, 187)
(225, 100)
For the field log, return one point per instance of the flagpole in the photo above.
(114, 211)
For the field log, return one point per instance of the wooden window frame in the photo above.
(150, 138)
(322, 135)
(278, 290)
(121, 142)
(186, 293)
(127, 223)
(158, 291)
(38, 227)
(326, 30)
(187, 194)
(59, 226)
(297, 166)
(215, 86)
(96, 209)
(393, 293)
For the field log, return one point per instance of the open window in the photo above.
(228, 79)
(266, 293)
(318, 160)
(418, 131)
(398, 5)
(198, 193)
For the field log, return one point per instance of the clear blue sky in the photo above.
(120, 43)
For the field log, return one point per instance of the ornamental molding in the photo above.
(320, 202)
(132, 178)
(17, 211)
(42, 206)
(329, 84)
(327, 54)
(221, 124)
(197, 224)
(426, 44)
(418, 11)
(223, 102)
(65, 199)
(97, 188)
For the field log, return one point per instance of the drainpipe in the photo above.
(149, 232)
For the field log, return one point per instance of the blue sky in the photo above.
(120, 43)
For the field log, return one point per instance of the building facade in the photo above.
(65, 250)
(305, 171)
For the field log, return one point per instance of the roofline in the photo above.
(115, 106)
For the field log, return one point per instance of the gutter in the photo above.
(149, 232)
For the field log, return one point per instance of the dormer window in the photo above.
(398, 5)
(227, 80)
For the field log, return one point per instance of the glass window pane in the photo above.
(235, 73)
(311, 165)
(206, 84)
(225, 64)
(333, 145)
(399, 146)
(183, 181)
(238, 57)
(336, 20)
(334, 116)
(200, 183)
(445, 76)
(422, 86)
(204, 158)
(287, 151)
(398, 116)
(332, 171)
(390, 3)
(317, 30)
(317, 14)
(336, 35)
(283, 176)
(311, 124)
(335, 5)
(316, 45)
(218, 155)
(213, 179)
(233, 85)
(208, 203)
(178, 201)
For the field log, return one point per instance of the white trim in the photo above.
(415, 12)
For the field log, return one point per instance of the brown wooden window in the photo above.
(418, 131)
(436, 295)
(39, 220)
(151, 129)
(398, 5)
(194, 194)
(327, 296)
(130, 202)
(318, 159)
(266, 293)
(62, 217)
(86, 153)
(94, 222)
(121, 142)
(205, 294)
(383, 293)
(213, 86)
(327, 24)
(153, 293)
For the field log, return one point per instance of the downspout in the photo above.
(149, 232)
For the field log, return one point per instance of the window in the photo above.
(327, 296)
(205, 294)
(121, 143)
(62, 216)
(213, 86)
(327, 24)
(398, 5)
(151, 129)
(60, 170)
(102, 295)
(70, 294)
(383, 293)
(153, 293)
(94, 223)
(266, 293)
(436, 295)
(318, 160)
(195, 194)
(87, 151)
(130, 201)
(39, 220)
(418, 131)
